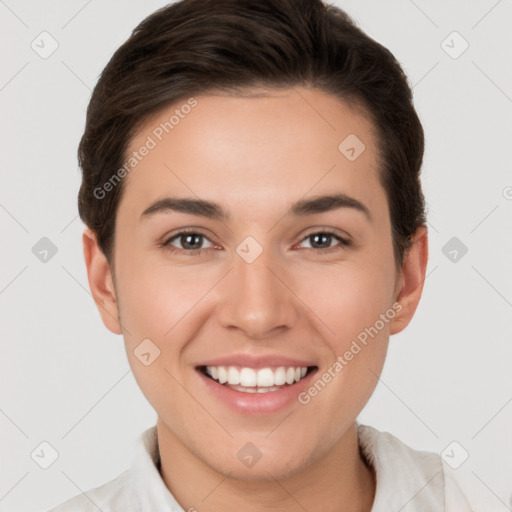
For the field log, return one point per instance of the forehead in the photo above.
(280, 144)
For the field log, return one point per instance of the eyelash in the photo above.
(196, 252)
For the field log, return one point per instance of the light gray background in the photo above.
(65, 377)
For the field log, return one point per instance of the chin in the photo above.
(267, 469)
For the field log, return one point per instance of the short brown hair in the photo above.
(194, 47)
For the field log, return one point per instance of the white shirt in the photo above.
(407, 480)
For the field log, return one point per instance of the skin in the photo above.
(256, 156)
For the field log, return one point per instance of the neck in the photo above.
(341, 480)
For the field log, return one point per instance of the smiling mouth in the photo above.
(257, 380)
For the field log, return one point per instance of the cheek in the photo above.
(355, 302)
(351, 306)
(164, 304)
(155, 296)
(348, 297)
(153, 303)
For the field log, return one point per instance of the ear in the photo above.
(412, 277)
(101, 282)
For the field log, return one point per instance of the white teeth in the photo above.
(223, 374)
(280, 376)
(262, 380)
(265, 377)
(255, 390)
(233, 376)
(248, 377)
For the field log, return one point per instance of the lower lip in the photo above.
(257, 403)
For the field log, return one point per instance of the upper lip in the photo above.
(252, 361)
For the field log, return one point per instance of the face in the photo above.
(232, 263)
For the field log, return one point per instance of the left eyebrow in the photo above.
(327, 203)
(211, 210)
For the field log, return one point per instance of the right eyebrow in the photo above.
(198, 207)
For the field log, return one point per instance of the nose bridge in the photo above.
(255, 298)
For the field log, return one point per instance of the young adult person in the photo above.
(256, 232)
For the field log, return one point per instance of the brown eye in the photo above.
(322, 240)
(186, 241)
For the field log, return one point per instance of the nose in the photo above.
(256, 298)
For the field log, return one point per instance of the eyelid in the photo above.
(337, 232)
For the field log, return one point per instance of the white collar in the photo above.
(407, 479)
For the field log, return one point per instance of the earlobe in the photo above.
(412, 278)
(101, 282)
